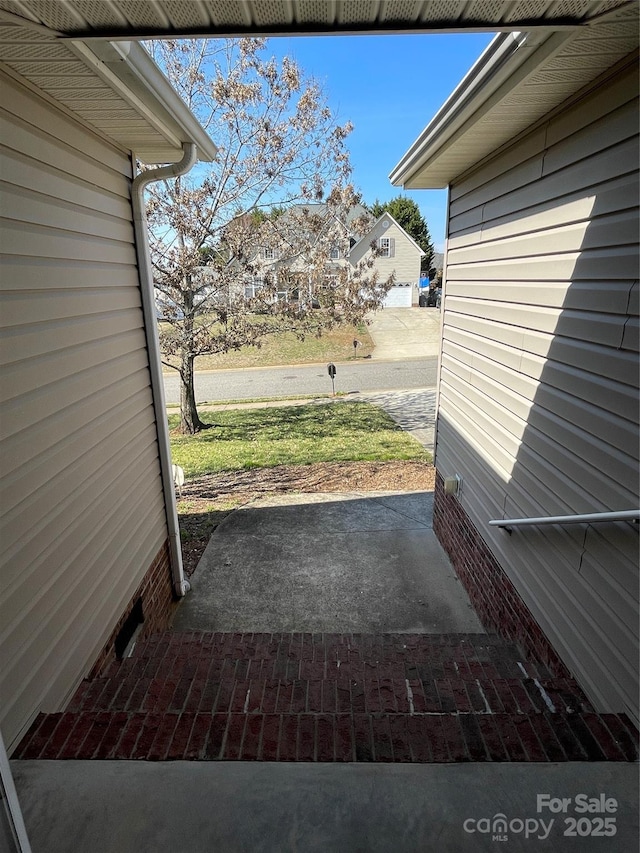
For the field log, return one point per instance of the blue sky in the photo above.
(389, 87)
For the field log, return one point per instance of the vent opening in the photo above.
(126, 638)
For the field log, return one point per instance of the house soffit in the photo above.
(104, 95)
(545, 72)
(173, 18)
(50, 43)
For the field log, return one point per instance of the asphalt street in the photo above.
(309, 379)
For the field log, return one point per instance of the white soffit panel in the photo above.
(120, 93)
(35, 32)
(539, 75)
(135, 18)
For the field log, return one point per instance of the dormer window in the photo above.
(269, 254)
(334, 253)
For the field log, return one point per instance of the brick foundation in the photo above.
(156, 593)
(495, 599)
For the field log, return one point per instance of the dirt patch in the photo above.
(207, 500)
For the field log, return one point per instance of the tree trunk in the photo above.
(190, 422)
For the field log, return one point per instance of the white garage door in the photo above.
(398, 297)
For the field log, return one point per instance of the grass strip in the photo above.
(343, 431)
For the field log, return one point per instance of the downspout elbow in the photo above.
(174, 170)
(171, 170)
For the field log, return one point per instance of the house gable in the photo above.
(404, 254)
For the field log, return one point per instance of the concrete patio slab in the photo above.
(176, 807)
(328, 563)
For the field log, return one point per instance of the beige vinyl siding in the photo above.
(539, 374)
(83, 510)
(405, 263)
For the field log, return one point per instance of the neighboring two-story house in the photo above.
(398, 254)
(353, 239)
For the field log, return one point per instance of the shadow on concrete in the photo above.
(328, 563)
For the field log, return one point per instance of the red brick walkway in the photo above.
(330, 697)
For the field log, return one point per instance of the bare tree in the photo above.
(245, 247)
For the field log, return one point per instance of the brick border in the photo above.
(330, 737)
(156, 592)
(494, 597)
(208, 696)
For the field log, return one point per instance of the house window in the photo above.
(385, 247)
(252, 288)
(269, 254)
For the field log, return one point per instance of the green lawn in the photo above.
(285, 348)
(255, 438)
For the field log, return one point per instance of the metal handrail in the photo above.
(586, 518)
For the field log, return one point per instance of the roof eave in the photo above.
(494, 70)
(129, 70)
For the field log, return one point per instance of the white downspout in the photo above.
(180, 584)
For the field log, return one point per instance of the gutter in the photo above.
(180, 584)
(487, 75)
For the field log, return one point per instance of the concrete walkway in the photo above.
(206, 807)
(414, 411)
(328, 563)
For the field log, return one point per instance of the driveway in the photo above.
(402, 333)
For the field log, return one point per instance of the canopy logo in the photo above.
(591, 817)
(499, 827)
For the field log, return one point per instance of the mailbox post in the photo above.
(331, 370)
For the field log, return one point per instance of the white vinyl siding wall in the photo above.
(83, 511)
(538, 397)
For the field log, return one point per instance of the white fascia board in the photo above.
(129, 70)
(494, 68)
